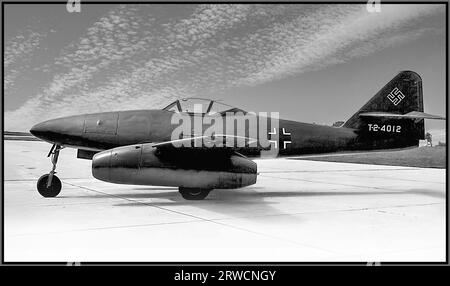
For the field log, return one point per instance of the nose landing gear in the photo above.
(49, 185)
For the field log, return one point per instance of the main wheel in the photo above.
(193, 193)
(51, 191)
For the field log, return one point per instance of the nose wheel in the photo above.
(49, 185)
(49, 191)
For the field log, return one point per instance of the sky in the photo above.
(312, 63)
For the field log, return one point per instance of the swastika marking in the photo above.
(395, 96)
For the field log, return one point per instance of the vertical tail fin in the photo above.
(389, 128)
(401, 95)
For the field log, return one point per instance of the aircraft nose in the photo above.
(59, 130)
(42, 130)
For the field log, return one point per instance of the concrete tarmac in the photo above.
(298, 210)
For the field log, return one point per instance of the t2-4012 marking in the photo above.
(385, 128)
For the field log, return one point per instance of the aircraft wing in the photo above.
(409, 115)
(221, 141)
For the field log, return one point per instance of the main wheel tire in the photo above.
(51, 191)
(193, 193)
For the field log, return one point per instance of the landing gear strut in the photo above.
(49, 185)
(193, 193)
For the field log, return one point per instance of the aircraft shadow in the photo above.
(249, 203)
(249, 195)
(428, 193)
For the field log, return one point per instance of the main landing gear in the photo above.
(193, 193)
(49, 185)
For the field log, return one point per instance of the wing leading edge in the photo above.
(216, 141)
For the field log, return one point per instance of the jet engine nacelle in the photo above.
(190, 168)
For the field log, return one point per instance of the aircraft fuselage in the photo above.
(102, 131)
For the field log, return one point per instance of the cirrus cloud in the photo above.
(131, 58)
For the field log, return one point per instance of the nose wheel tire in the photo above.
(193, 193)
(49, 191)
(50, 185)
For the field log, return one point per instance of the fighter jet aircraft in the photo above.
(137, 147)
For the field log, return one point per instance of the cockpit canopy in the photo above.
(201, 106)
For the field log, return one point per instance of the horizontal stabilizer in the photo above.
(409, 115)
